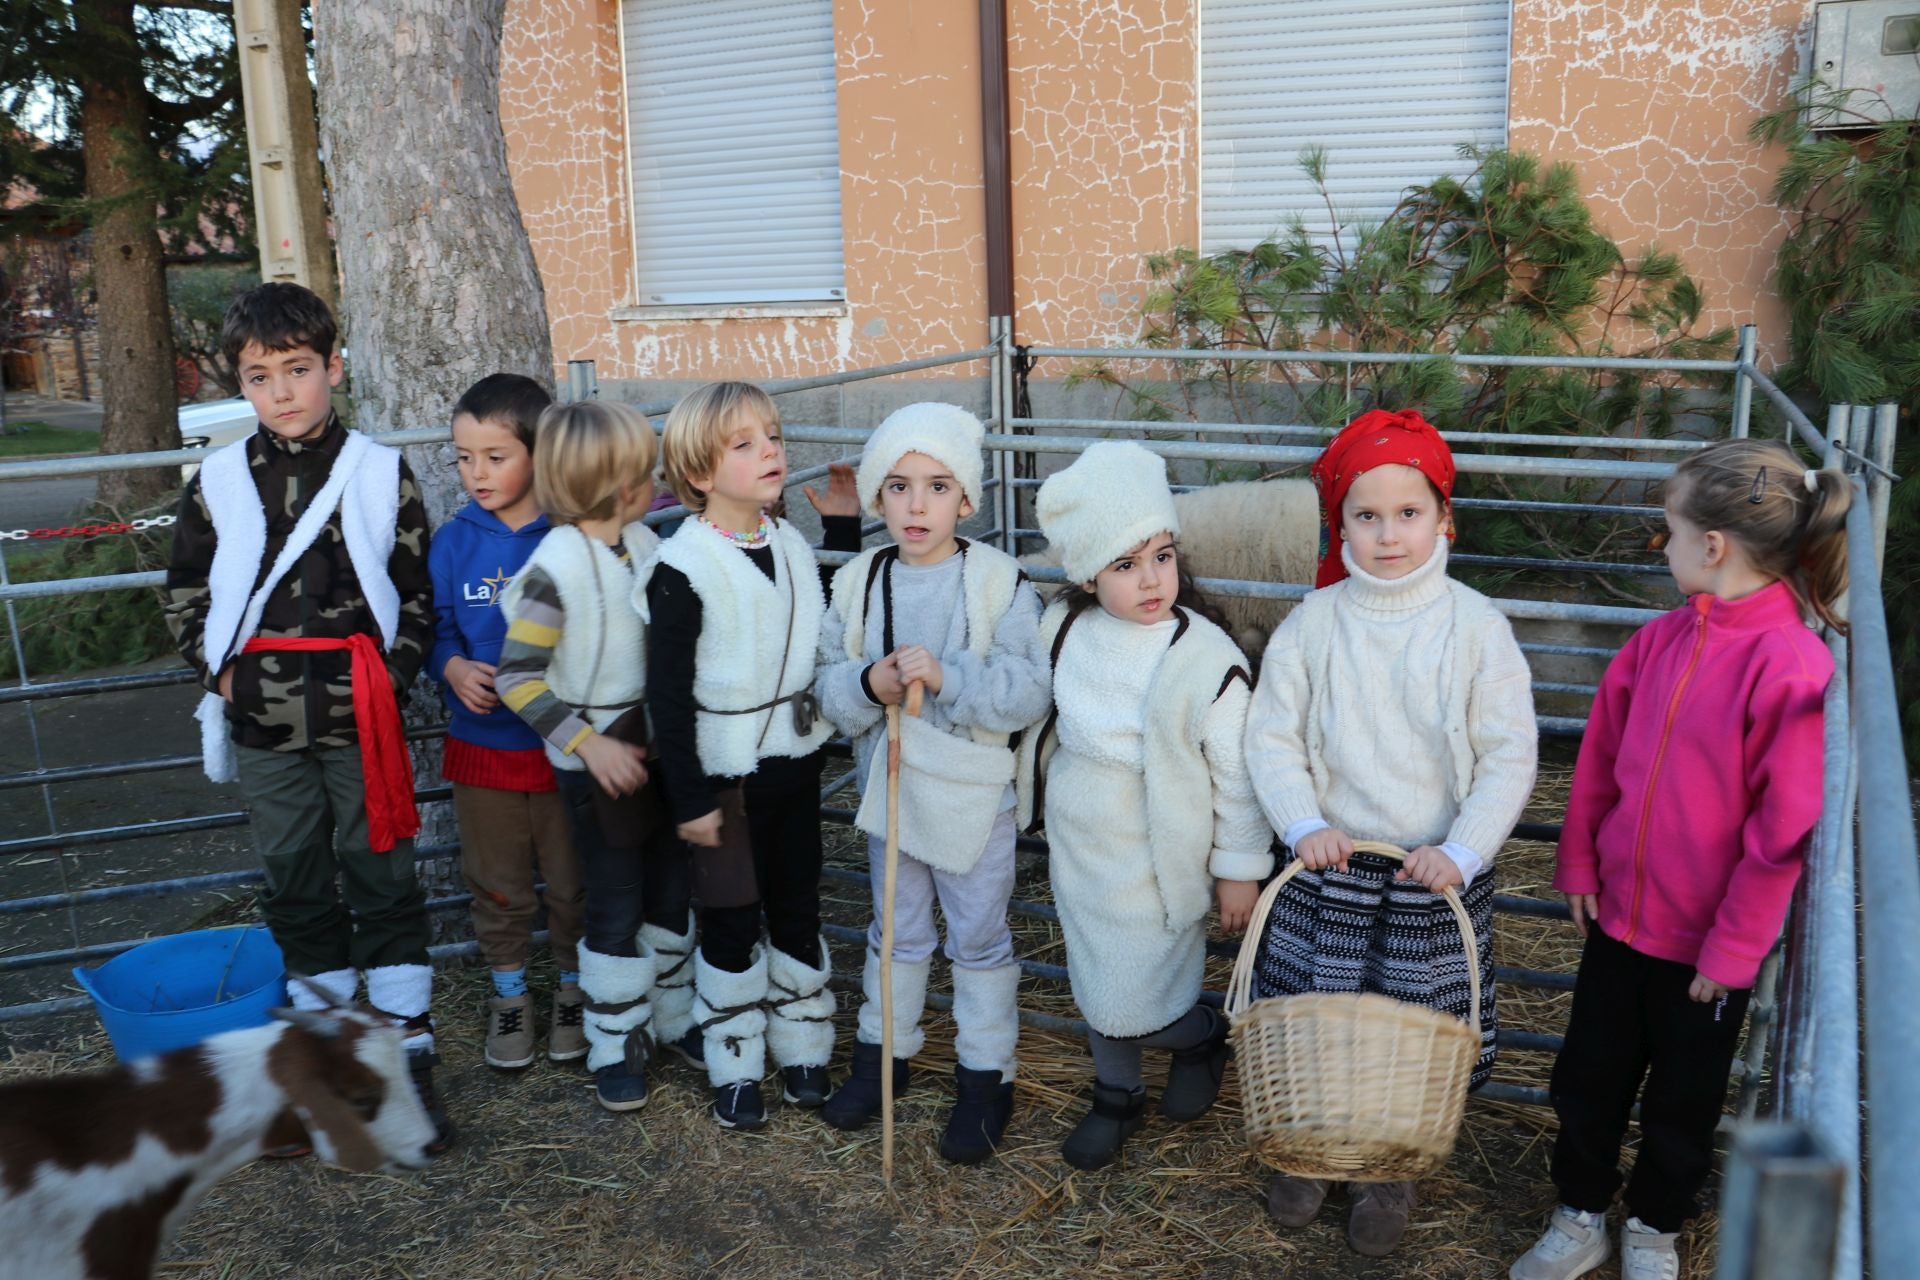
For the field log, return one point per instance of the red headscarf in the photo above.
(1374, 439)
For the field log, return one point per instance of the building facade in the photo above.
(795, 187)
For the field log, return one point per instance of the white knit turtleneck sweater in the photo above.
(1397, 710)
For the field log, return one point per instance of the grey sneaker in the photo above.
(510, 1031)
(1646, 1254)
(567, 1033)
(1294, 1202)
(1379, 1217)
(1573, 1244)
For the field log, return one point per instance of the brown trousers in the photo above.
(503, 836)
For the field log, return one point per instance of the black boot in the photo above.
(804, 1087)
(981, 1107)
(420, 1065)
(1116, 1116)
(857, 1101)
(1193, 1080)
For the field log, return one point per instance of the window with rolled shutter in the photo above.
(1391, 89)
(736, 150)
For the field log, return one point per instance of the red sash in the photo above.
(386, 768)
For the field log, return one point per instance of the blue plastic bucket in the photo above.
(176, 991)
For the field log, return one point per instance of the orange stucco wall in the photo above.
(1649, 101)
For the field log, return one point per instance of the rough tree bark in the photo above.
(129, 275)
(437, 276)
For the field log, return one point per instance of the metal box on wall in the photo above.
(1873, 48)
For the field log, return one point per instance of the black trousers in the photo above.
(1632, 1021)
(637, 875)
(783, 824)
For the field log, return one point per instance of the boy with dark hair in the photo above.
(299, 590)
(510, 810)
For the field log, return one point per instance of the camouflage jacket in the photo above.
(293, 701)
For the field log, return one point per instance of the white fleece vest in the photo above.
(989, 578)
(1191, 677)
(363, 486)
(599, 664)
(737, 662)
(951, 789)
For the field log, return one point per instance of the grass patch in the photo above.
(25, 439)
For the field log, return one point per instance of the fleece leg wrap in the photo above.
(619, 1013)
(986, 1017)
(673, 979)
(909, 1002)
(403, 992)
(730, 1010)
(799, 1009)
(337, 983)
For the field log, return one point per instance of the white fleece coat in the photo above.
(599, 664)
(1397, 710)
(738, 661)
(363, 485)
(1147, 801)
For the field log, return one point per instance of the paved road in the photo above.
(36, 504)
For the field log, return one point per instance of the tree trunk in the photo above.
(437, 275)
(136, 343)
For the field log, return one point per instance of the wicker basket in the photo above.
(1354, 1087)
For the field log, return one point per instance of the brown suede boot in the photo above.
(1379, 1216)
(1294, 1202)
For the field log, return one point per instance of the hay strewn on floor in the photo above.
(543, 1183)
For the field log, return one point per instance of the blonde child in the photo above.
(505, 800)
(961, 617)
(733, 603)
(1697, 783)
(574, 668)
(1393, 705)
(1139, 776)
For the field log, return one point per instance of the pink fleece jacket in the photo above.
(1698, 781)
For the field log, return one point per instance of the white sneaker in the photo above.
(1646, 1254)
(1573, 1244)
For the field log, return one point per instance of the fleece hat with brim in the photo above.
(1113, 498)
(944, 432)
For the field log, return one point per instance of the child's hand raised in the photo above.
(619, 767)
(841, 498)
(1327, 847)
(1585, 909)
(916, 662)
(884, 678)
(472, 683)
(1236, 898)
(1432, 868)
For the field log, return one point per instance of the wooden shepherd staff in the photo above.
(915, 691)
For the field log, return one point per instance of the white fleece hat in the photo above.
(944, 432)
(1113, 498)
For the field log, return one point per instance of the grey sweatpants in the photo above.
(974, 904)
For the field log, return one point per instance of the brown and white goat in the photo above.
(98, 1171)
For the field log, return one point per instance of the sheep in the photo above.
(98, 1171)
(1259, 530)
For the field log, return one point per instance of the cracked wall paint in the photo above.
(1651, 103)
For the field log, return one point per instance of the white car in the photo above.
(213, 423)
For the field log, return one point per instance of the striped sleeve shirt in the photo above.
(521, 676)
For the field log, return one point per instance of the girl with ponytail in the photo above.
(1697, 783)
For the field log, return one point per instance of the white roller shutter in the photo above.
(1389, 87)
(736, 150)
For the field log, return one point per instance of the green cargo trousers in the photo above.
(330, 900)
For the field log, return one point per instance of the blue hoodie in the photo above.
(472, 557)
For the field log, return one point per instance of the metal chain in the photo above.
(89, 530)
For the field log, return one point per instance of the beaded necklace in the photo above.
(761, 534)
